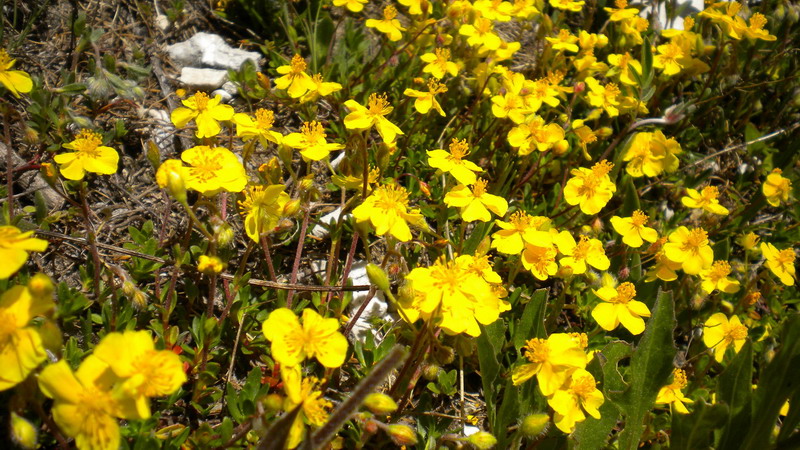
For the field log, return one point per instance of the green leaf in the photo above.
(735, 388)
(691, 431)
(647, 63)
(490, 368)
(778, 381)
(508, 412)
(531, 324)
(593, 433)
(651, 366)
(630, 202)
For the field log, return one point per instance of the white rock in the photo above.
(162, 22)
(469, 430)
(226, 97)
(204, 79)
(320, 231)
(684, 8)
(209, 50)
(376, 309)
(230, 87)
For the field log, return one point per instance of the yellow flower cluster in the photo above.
(559, 365)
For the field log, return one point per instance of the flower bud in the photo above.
(402, 434)
(291, 208)
(443, 354)
(41, 286)
(49, 172)
(272, 403)
(209, 265)
(170, 177)
(263, 80)
(23, 432)
(482, 440)
(380, 404)
(378, 277)
(134, 294)
(534, 425)
(579, 87)
(431, 372)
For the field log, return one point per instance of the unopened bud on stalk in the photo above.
(580, 87)
(380, 404)
(482, 440)
(263, 80)
(443, 354)
(134, 294)
(430, 372)
(402, 434)
(170, 177)
(534, 425)
(291, 208)
(23, 432)
(41, 286)
(272, 403)
(378, 277)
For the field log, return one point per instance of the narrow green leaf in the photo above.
(490, 368)
(695, 430)
(778, 381)
(735, 389)
(647, 63)
(531, 324)
(630, 202)
(651, 366)
(508, 413)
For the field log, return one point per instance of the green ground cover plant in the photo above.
(580, 217)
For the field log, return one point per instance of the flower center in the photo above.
(458, 150)
(581, 250)
(536, 350)
(4, 59)
(611, 92)
(86, 144)
(697, 238)
(391, 198)
(678, 379)
(447, 275)
(581, 338)
(625, 293)
(378, 105)
(688, 23)
(265, 118)
(639, 219)
(435, 87)
(583, 386)
(720, 270)
(602, 168)
(541, 256)
(479, 188)
(442, 56)
(314, 405)
(8, 325)
(621, 4)
(389, 13)
(206, 166)
(298, 64)
(736, 332)
(313, 132)
(786, 257)
(521, 220)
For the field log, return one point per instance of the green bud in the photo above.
(380, 404)
(482, 440)
(402, 434)
(534, 425)
(378, 277)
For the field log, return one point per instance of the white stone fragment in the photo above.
(230, 87)
(376, 309)
(684, 8)
(319, 230)
(209, 50)
(203, 79)
(162, 23)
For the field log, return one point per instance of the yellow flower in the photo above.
(295, 79)
(720, 333)
(535, 135)
(623, 66)
(606, 97)
(579, 254)
(261, 127)
(511, 104)
(667, 58)
(540, 260)
(708, 200)
(481, 34)
(457, 294)
(717, 278)
(314, 409)
(14, 248)
(321, 89)
(453, 162)
(755, 30)
(650, 154)
(634, 230)
(15, 81)
(263, 206)
(21, 348)
(145, 371)
(519, 230)
(85, 406)
(209, 265)
(213, 169)
(389, 25)
(748, 241)
(585, 136)
(311, 141)
(690, 248)
(387, 209)
(361, 118)
(564, 41)
(568, 5)
(621, 12)
(497, 10)
(776, 188)
(620, 307)
(317, 337)
(780, 262)
(352, 5)
(415, 7)
(632, 29)
(524, 9)
(672, 394)
(664, 268)
(590, 188)
(90, 155)
(439, 64)
(427, 100)
(476, 203)
(206, 113)
(551, 360)
(578, 395)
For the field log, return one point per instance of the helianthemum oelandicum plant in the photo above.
(388, 211)
(89, 155)
(293, 342)
(206, 113)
